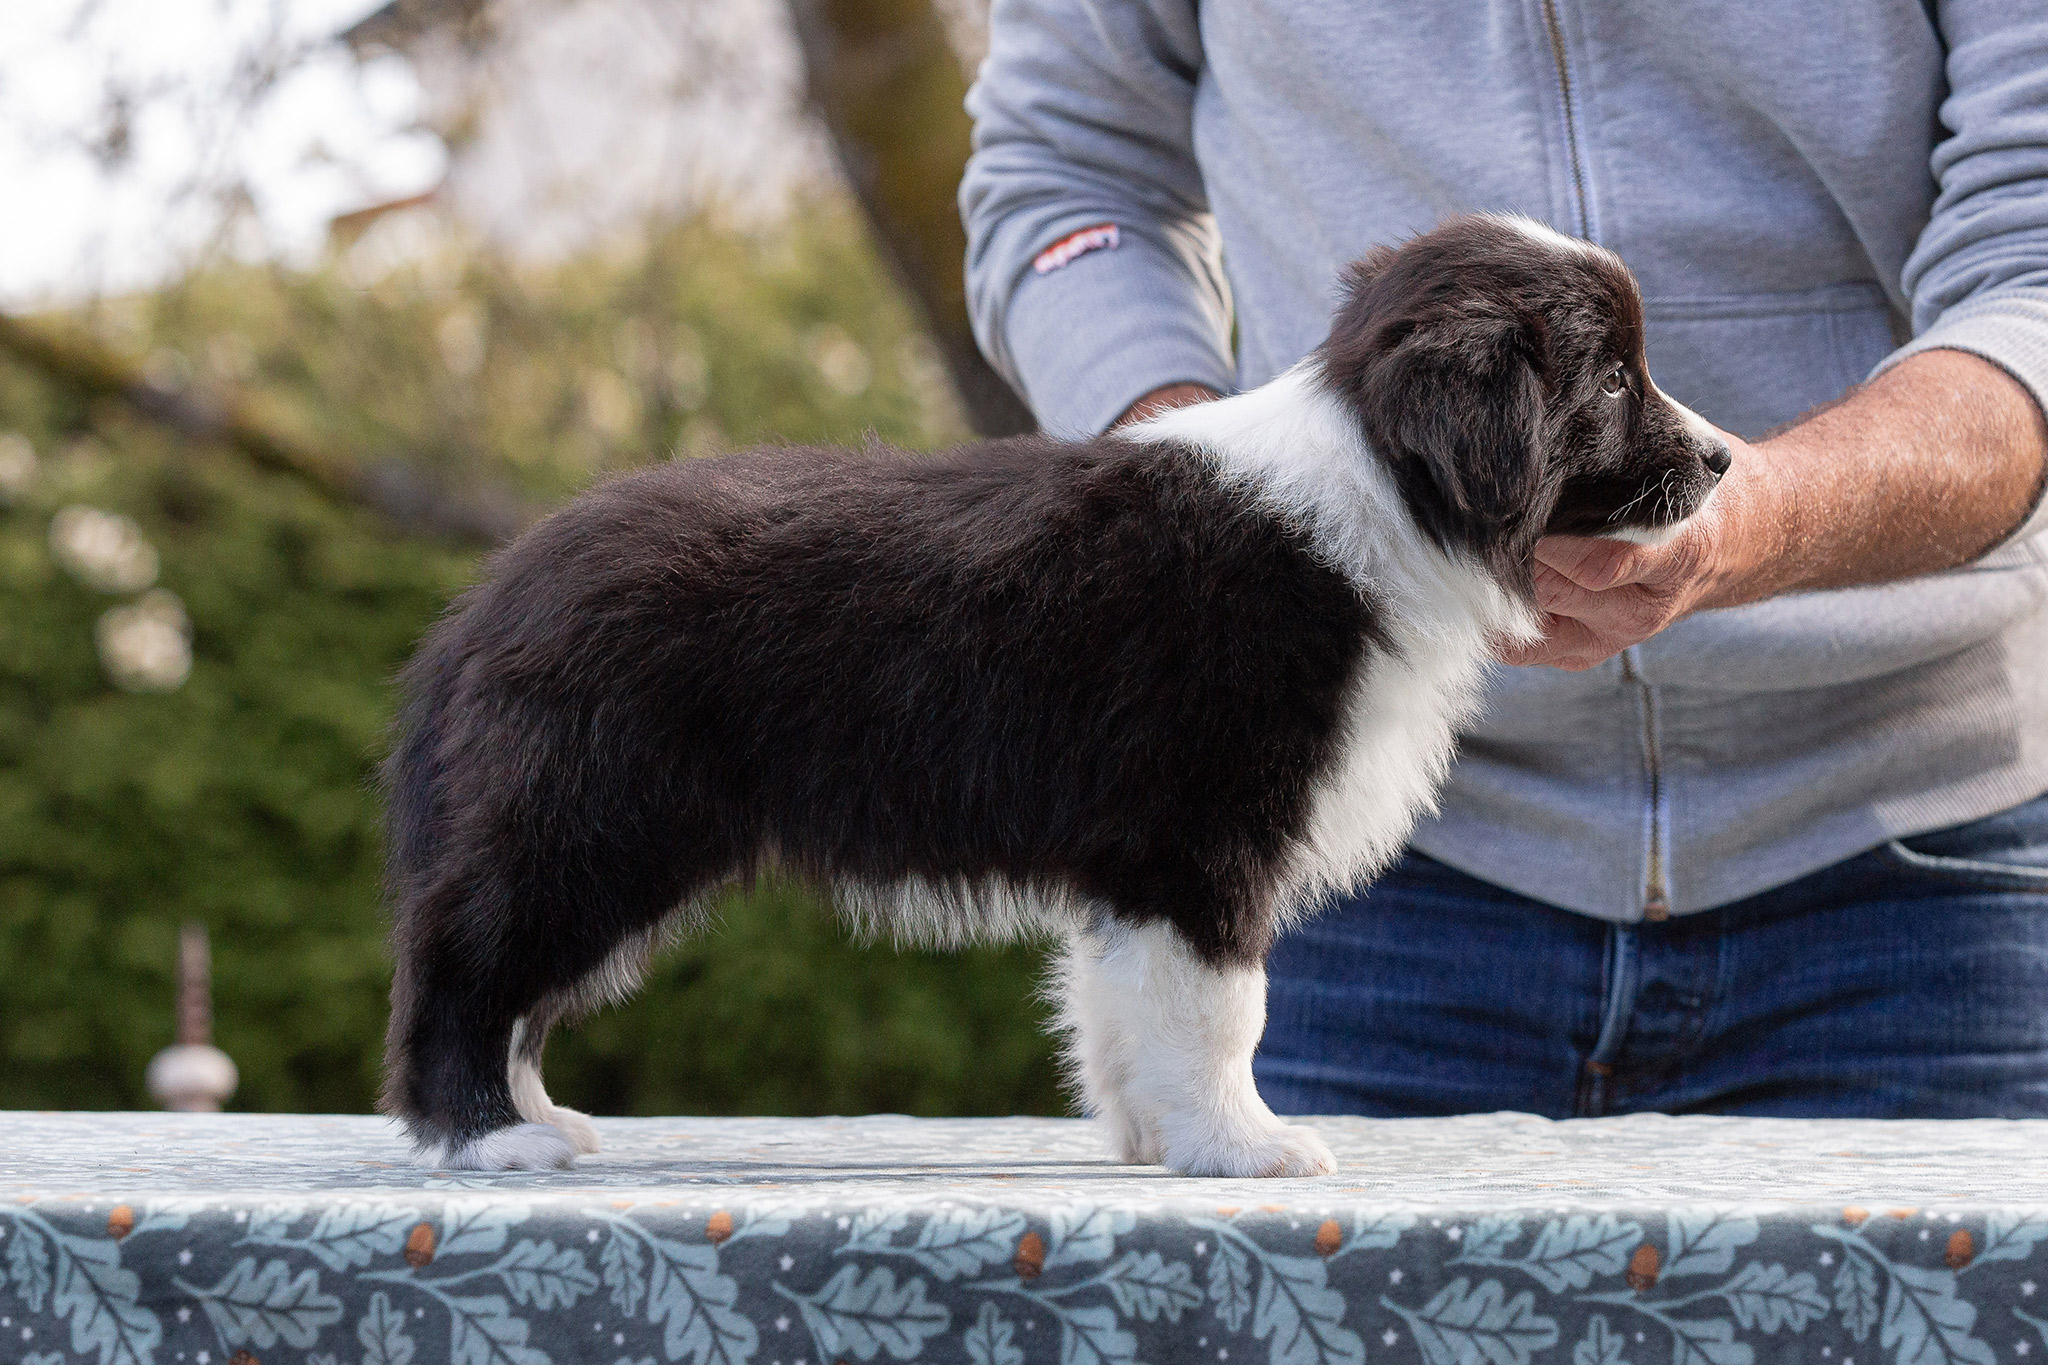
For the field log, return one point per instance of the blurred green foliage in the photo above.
(244, 799)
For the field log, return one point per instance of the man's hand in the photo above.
(1599, 597)
(1926, 468)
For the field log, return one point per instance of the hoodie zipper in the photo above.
(1656, 896)
(1571, 123)
(1656, 893)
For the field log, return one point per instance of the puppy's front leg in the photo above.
(1162, 1044)
(1100, 1052)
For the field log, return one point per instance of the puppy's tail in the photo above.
(411, 807)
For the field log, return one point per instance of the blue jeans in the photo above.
(1909, 981)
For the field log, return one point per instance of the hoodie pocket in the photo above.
(1752, 363)
(1749, 363)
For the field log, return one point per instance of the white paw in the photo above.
(1277, 1152)
(522, 1147)
(578, 1128)
(1302, 1152)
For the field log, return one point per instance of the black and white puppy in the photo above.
(1155, 693)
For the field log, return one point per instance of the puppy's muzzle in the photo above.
(1714, 452)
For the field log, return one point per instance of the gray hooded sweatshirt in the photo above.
(1808, 190)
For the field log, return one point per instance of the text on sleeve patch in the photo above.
(1078, 243)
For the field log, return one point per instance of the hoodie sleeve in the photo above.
(1082, 124)
(1978, 278)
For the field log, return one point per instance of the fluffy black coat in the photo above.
(1021, 684)
(1080, 668)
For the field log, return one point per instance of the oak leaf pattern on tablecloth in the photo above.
(419, 1269)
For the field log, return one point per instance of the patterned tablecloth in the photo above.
(1493, 1240)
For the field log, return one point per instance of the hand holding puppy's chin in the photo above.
(1600, 596)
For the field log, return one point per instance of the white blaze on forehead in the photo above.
(1543, 234)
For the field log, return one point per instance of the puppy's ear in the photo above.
(1456, 408)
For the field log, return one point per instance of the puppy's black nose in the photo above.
(1717, 459)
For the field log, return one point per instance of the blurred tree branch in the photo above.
(267, 434)
(884, 79)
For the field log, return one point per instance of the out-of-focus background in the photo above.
(306, 303)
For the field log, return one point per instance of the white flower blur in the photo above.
(609, 405)
(460, 337)
(146, 646)
(839, 359)
(102, 550)
(17, 467)
(689, 373)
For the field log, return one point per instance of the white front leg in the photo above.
(1161, 1044)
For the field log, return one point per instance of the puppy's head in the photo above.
(1497, 366)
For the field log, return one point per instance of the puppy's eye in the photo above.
(1616, 383)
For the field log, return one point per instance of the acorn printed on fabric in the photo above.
(120, 1222)
(419, 1246)
(1329, 1237)
(718, 1227)
(1643, 1268)
(1030, 1258)
(1962, 1249)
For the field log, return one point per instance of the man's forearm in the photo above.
(1163, 399)
(1925, 468)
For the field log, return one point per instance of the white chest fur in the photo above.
(1290, 445)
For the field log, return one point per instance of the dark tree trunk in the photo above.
(886, 83)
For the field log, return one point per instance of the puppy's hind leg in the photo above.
(530, 1097)
(449, 1079)
(1163, 1042)
(486, 962)
(618, 978)
(455, 1015)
